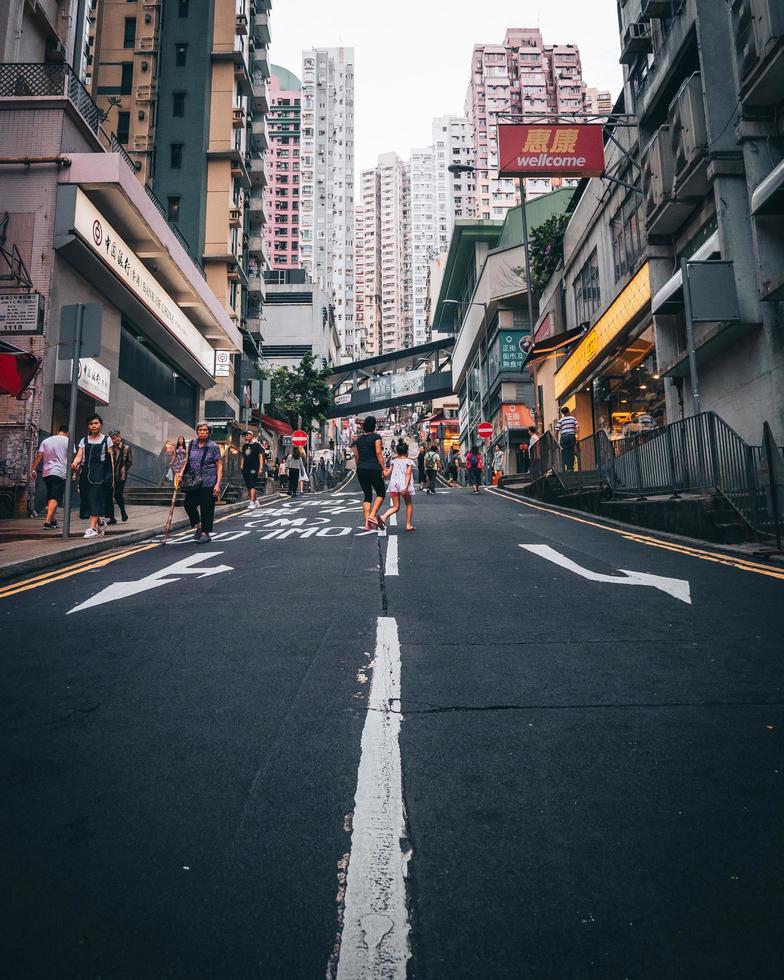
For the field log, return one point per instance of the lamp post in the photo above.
(465, 168)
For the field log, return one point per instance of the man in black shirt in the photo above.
(252, 463)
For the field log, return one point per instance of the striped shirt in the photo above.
(567, 425)
(646, 421)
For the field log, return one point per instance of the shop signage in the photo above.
(508, 352)
(101, 238)
(516, 416)
(550, 150)
(343, 399)
(222, 364)
(622, 312)
(94, 378)
(22, 313)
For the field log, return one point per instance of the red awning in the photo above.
(275, 425)
(16, 372)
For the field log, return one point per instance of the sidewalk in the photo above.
(26, 547)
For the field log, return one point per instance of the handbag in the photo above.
(190, 480)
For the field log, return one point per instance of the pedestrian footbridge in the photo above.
(414, 374)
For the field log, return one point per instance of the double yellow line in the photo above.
(744, 564)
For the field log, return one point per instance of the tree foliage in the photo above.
(546, 249)
(302, 393)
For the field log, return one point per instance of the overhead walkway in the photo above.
(414, 374)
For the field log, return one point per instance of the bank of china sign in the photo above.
(550, 150)
(101, 238)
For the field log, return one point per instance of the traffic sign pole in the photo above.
(77, 351)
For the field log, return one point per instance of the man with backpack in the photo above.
(432, 466)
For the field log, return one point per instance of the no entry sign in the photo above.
(484, 430)
(299, 438)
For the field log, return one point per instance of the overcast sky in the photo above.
(413, 56)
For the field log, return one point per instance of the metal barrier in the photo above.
(30, 80)
(698, 453)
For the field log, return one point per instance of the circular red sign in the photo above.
(484, 430)
(299, 438)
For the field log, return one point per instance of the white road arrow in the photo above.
(173, 573)
(676, 587)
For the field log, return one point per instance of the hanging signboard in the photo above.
(550, 150)
(222, 364)
(94, 378)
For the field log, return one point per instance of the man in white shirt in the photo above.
(53, 452)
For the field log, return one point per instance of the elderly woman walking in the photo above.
(201, 479)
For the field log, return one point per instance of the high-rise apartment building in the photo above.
(184, 89)
(453, 143)
(282, 193)
(521, 76)
(327, 181)
(598, 103)
(383, 237)
(424, 233)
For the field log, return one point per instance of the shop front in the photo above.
(610, 380)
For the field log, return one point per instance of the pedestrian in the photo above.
(292, 468)
(252, 462)
(646, 421)
(321, 472)
(567, 428)
(53, 452)
(421, 467)
(461, 468)
(533, 437)
(498, 465)
(304, 475)
(451, 471)
(201, 480)
(177, 460)
(94, 466)
(369, 459)
(432, 466)
(401, 484)
(282, 475)
(474, 468)
(122, 460)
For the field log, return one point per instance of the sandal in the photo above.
(411, 529)
(380, 521)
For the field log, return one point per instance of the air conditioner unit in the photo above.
(663, 215)
(55, 50)
(758, 30)
(689, 139)
(636, 41)
(235, 217)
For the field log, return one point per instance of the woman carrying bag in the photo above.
(201, 479)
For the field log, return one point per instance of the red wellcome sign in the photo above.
(550, 150)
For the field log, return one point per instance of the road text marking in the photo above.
(374, 941)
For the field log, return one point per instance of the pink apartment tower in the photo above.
(282, 193)
(521, 76)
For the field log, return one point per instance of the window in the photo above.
(182, 9)
(148, 372)
(173, 213)
(627, 241)
(587, 292)
(180, 55)
(178, 103)
(127, 78)
(129, 38)
(123, 127)
(176, 156)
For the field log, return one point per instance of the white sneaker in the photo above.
(91, 533)
(251, 505)
(256, 504)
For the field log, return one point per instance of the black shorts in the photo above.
(250, 477)
(55, 488)
(474, 476)
(371, 480)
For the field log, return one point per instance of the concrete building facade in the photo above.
(424, 234)
(522, 75)
(282, 193)
(327, 181)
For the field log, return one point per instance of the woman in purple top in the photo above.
(205, 469)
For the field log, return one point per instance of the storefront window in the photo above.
(143, 368)
(628, 396)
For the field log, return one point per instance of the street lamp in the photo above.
(465, 168)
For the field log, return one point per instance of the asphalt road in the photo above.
(532, 763)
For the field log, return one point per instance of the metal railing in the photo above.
(56, 79)
(699, 453)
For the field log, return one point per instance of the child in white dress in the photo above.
(401, 484)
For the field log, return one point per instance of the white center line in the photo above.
(390, 568)
(374, 942)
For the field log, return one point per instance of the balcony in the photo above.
(241, 24)
(261, 61)
(238, 118)
(260, 93)
(261, 31)
(32, 81)
(260, 133)
(258, 171)
(257, 210)
(256, 245)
